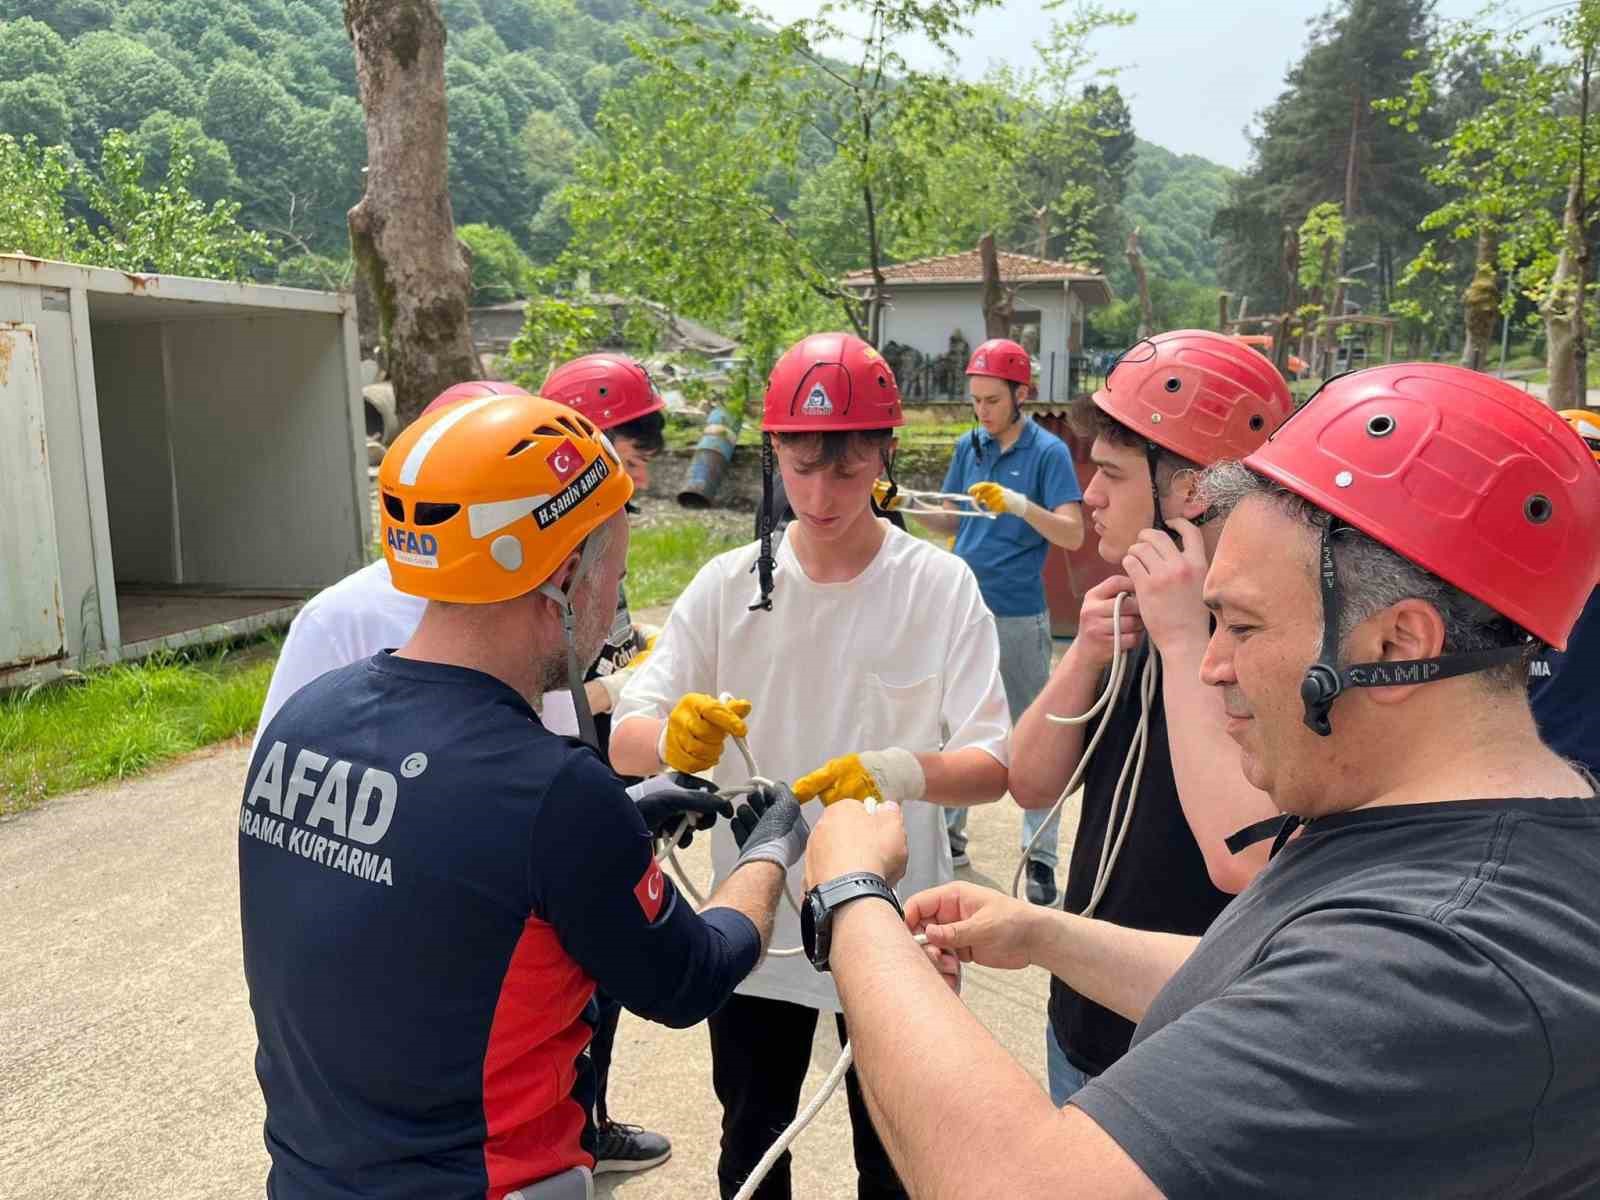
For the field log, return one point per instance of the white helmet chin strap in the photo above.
(575, 669)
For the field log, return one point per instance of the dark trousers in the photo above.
(605, 1036)
(760, 1050)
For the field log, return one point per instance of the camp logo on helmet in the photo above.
(552, 510)
(980, 362)
(412, 549)
(818, 402)
(565, 461)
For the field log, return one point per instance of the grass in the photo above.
(116, 721)
(663, 558)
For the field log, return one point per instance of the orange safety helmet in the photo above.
(1586, 422)
(1199, 394)
(483, 499)
(470, 389)
(609, 389)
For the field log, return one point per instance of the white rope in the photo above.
(1116, 832)
(806, 1115)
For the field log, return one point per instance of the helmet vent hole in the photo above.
(393, 506)
(1257, 422)
(1381, 425)
(519, 448)
(1173, 383)
(1538, 509)
(431, 513)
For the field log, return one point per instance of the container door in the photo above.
(31, 620)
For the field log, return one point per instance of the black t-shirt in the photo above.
(622, 643)
(1561, 689)
(1405, 1002)
(1159, 881)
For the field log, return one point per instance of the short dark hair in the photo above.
(1090, 421)
(646, 432)
(836, 446)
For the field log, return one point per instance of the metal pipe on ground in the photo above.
(712, 455)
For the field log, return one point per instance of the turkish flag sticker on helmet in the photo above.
(651, 891)
(565, 461)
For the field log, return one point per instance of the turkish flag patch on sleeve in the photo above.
(651, 891)
(565, 460)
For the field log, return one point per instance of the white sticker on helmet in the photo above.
(412, 467)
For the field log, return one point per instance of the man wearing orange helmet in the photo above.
(846, 635)
(365, 613)
(1561, 684)
(1024, 475)
(1156, 857)
(1405, 1001)
(432, 884)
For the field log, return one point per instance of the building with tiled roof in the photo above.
(933, 307)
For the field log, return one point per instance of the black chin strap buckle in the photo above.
(1318, 690)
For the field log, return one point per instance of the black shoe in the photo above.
(958, 851)
(1041, 883)
(621, 1147)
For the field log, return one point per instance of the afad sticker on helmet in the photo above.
(413, 549)
(558, 506)
(818, 403)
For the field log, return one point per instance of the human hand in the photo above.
(1094, 638)
(853, 837)
(881, 497)
(1168, 579)
(991, 497)
(664, 810)
(977, 924)
(891, 774)
(694, 733)
(947, 964)
(768, 827)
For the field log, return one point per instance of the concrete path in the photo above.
(126, 1038)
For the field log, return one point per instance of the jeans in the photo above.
(1065, 1079)
(1025, 649)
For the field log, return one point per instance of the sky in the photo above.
(1195, 71)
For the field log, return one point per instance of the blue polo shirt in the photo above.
(1007, 554)
(1561, 688)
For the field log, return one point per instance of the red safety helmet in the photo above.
(1002, 358)
(1198, 394)
(609, 389)
(472, 389)
(1461, 473)
(831, 383)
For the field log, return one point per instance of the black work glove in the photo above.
(768, 827)
(663, 811)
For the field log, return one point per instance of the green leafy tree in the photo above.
(1517, 176)
(130, 226)
(161, 135)
(69, 18)
(115, 82)
(500, 270)
(554, 330)
(36, 105)
(30, 47)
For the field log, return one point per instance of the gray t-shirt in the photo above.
(1406, 1002)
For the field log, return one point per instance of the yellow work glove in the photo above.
(880, 496)
(693, 736)
(991, 497)
(640, 655)
(892, 774)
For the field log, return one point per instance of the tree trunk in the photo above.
(1480, 303)
(1041, 222)
(997, 305)
(1291, 299)
(1222, 311)
(1147, 319)
(402, 234)
(1562, 309)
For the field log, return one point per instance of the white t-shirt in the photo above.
(905, 654)
(355, 618)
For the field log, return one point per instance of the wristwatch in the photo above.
(822, 901)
